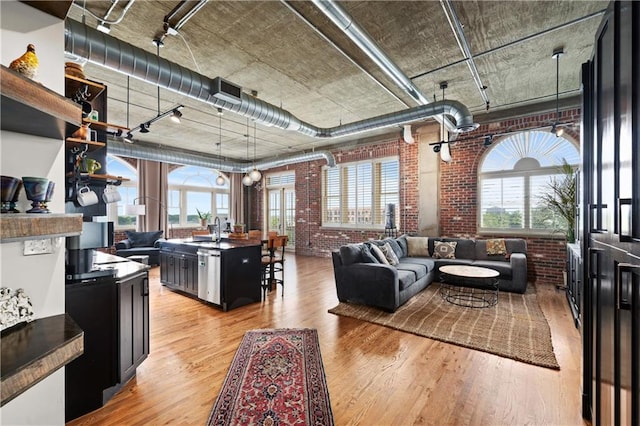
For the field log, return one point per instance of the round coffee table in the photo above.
(469, 286)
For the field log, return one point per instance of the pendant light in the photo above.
(220, 180)
(255, 174)
(556, 55)
(246, 180)
(445, 153)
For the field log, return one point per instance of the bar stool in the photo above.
(272, 263)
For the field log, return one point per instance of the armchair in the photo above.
(141, 244)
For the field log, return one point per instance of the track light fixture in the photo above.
(144, 127)
(128, 138)
(176, 116)
(436, 148)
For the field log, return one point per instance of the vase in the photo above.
(9, 188)
(203, 222)
(36, 189)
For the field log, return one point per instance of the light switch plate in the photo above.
(32, 247)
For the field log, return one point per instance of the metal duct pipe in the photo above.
(109, 52)
(174, 156)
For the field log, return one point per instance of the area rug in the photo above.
(276, 378)
(515, 328)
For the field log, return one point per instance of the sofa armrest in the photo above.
(369, 284)
(124, 244)
(158, 242)
(519, 271)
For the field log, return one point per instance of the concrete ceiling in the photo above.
(297, 59)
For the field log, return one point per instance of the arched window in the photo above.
(193, 187)
(512, 177)
(128, 192)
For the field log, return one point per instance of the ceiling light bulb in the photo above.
(247, 181)
(175, 117)
(128, 138)
(220, 180)
(255, 175)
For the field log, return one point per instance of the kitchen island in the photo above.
(226, 274)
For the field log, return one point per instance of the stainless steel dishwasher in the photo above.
(209, 287)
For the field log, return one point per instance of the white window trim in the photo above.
(374, 197)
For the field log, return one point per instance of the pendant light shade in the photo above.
(445, 154)
(247, 181)
(220, 180)
(255, 175)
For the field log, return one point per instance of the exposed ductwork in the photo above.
(109, 52)
(174, 156)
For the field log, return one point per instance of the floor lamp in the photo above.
(141, 209)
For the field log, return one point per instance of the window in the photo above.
(193, 188)
(128, 192)
(355, 194)
(512, 177)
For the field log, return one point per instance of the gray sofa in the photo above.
(141, 244)
(361, 278)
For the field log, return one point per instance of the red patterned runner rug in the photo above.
(276, 378)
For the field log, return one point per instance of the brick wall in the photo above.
(458, 196)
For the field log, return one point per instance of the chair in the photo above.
(273, 262)
(255, 234)
(141, 244)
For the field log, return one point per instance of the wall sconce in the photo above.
(407, 136)
(488, 140)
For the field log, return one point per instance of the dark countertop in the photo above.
(109, 266)
(205, 241)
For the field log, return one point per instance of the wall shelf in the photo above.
(31, 108)
(73, 84)
(33, 351)
(100, 125)
(91, 145)
(30, 226)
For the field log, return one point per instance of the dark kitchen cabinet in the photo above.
(134, 324)
(179, 270)
(574, 282)
(611, 246)
(114, 315)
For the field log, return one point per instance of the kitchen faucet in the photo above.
(216, 227)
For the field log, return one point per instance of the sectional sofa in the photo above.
(365, 276)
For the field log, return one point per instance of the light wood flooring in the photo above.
(376, 376)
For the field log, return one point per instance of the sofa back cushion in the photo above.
(143, 239)
(465, 247)
(513, 245)
(444, 250)
(367, 256)
(351, 253)
(402, 243)
(418, 247)
(377, 252)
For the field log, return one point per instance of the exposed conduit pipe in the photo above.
(175, 156)
(109, 52)
(458, 32)
(363, 40)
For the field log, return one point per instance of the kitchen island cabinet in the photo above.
(239, 270)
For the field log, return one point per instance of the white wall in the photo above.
(42, 276)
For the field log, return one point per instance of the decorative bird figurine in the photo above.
(26, 64)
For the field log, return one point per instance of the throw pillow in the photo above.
(444, 250)
(395, 246)
(389, 254)
(351, 253)
(367, 256)
(378, 254)
(402, 242)
(143, 239)
(496, 246)
(418, 246)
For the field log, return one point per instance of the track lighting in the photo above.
(128, 138)
(175, 117)
(144, 127)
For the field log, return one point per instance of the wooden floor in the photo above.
(376, 376)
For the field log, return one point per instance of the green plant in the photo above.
(561, 199)
(203, 216)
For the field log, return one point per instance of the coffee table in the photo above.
(469, 286)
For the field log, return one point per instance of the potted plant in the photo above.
(561, 199)
(204, 217)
